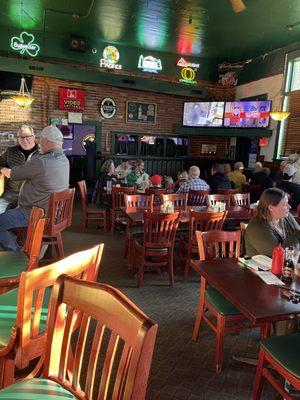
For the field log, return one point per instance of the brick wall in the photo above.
(169, 110)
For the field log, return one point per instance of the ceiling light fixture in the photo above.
(279, 115)
(24, 98)
(238, 6)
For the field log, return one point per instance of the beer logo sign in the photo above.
(25, 44)
(108, 108)
(188, 71)
(110, 58)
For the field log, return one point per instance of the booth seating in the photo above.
(13, 263)
(127, 359)
(24, 312)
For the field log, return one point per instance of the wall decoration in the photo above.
(110, 58)
(108, 108)
(25, 44)
(188, 71)
(71, 99)
(140, 112)
(209, 149)
(74, 118)
(149, 64)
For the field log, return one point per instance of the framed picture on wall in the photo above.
(144, 113)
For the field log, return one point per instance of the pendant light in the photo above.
(23, 98)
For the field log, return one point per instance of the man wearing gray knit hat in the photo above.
(47, 172)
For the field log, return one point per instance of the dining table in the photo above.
(235, 213)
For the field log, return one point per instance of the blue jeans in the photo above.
(14, 218)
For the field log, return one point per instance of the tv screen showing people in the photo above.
(203, 113)
(247, 114)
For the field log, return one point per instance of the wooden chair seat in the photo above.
(140, 242)
(219, 302)
(281, 353)
(37, 388)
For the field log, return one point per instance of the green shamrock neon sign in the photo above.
(25, 44)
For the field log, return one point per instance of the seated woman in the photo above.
(138, 178)
(107, 175)
(271, 225)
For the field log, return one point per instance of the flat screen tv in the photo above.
(247, 114)
(203, 113)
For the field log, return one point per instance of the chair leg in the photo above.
(259, 379)
(220, 342)
(59, 247)
(7, 371)
(84, 224)
(105, 221)
(187, 266)
(113, 223)
(171, 266)
(141, 274)
(200, 310)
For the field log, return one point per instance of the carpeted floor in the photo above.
(181, 369)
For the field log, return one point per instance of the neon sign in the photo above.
(110, 58)
(25, 44)
(188, 71)
(149, 64)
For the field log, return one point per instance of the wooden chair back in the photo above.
(253, 190)
(60, 212)
(83, 194)
(197, 197)
(158, 193)
(136, 202)
(122, 342)
(33, 300)
(179, 200)
(205, 221)
(228, 191)
(218, 244)
(160, 230)
(241, 199)
(212, 199)
(33, 242)
(118, 199)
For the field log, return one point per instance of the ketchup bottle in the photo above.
(277, 260)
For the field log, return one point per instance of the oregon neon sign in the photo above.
(24, 44)
(188, 71)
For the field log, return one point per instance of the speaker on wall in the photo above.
(77, 43)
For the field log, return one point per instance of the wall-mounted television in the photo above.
(203, 113)
(247, 114)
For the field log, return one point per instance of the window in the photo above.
(289, 130)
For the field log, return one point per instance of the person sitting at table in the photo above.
(263, 180)
(237, 176)
(138, 178)
(227, 168)
(271, 225)
(107, 175)
(155, 181)
(218, 179)
(290, 187)
(182, 177)
(194, 182)
(123, 170)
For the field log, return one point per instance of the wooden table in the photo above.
(235, 213)
(259, 302)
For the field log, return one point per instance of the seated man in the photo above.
(194, 182)
(47, 172)
(218, 179)
(237, 176)
(15, 156)
(290, 187)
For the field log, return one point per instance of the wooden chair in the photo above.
(157, 192)
(241, 199)
(24, 312)
(92, 212)
(200, 221)
(118, 201)
(179, 200)
(58, 219)
(13, 263)
(253, 190)
(197, 197)
(212, 199)
(243, 227)
(280, 353)
(213, 245)
(228, 191)
(118, 367)
(156, 248)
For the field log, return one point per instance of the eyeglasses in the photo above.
(25, 137)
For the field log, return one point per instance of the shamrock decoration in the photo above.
(25, 44)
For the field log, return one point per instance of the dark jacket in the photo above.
(261, 237)
(293, 189)
(14, 157)
(219, 181)
(263, 180)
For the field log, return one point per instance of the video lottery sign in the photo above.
(71, 99)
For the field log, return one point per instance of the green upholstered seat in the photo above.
(8, 313)
(97, 207)
(140, 244)
(36, 389)
(136, 231)
(285, 350)
(12, 263)
(219, 302)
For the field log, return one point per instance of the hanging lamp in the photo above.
(23, 98)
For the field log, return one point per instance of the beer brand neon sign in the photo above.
(24, 44)
(188, 71)
(110, 58)
(149, 64)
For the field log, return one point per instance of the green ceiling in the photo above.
(200, 28)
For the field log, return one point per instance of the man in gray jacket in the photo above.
(47, 172)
